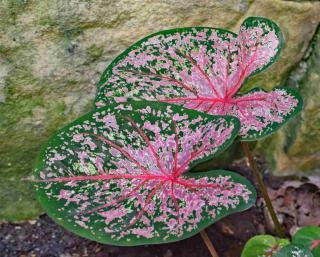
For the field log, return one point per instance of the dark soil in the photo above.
(44, 238)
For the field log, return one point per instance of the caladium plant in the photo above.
(119, 174)
(203, 69)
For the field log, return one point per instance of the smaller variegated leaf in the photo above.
(309, 237)
(263, 246)
(203, 69)
(119, 175)
(293, 250)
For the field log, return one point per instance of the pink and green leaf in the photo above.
(203, 68)
(119, 175)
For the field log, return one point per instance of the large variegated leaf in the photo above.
(119, 174)
(203, 69)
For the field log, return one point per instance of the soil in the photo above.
(44, 238)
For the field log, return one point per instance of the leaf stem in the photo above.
(314, 244)
(263, 189)
(208, 243)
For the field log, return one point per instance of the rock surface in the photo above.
(53, 52)
(296, 148)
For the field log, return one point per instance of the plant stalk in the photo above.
(263, 189)
(208, 243)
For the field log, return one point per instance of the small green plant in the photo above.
(305, 243)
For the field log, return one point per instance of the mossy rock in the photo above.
(296, 148)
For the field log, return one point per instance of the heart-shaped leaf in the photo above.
(119, 174)
(293, 250)
(263, 245)
(203, 69)
(309, 237)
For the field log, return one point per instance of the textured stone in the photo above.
(296, 148)
(53, 52)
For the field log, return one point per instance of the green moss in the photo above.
(94, 52)
(3, 50)
(47, 21)
(18, 154)
(17, 200)
(10, 9)
(69, 32)
(22, 133)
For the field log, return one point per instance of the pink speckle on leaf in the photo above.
(78, 137)
(64, 194)
(145, 232)
(81, 224)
